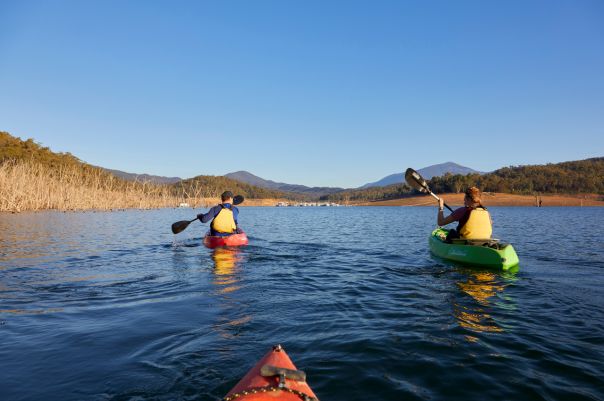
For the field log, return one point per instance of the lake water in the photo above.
(112, 306)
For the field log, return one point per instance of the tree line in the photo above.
(212, 186)
(582, 176)
(575, 177)
(394, 191)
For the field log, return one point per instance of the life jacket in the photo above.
(224, 222)
(476, 224)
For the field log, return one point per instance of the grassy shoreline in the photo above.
(32, 186)
(497, 199)
(454, 200)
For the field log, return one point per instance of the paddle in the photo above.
(416, 181)
(180, 226)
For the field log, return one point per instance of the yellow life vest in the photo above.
(224, 222)
(478, 225)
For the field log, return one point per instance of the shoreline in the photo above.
(489, 199)
(496, 199)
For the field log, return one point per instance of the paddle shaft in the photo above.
(438, 199)
(181, 225)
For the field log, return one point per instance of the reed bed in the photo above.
(29, 186)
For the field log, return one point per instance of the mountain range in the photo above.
(397, 178)
(251, 179)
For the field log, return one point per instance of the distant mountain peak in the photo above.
(426, 172)
(436, 170)
(249, 178)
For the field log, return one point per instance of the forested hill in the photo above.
(574, 177)
(12, 148)
(212, 186)
(394, 191)
(15, 150)
(582, 176)
(310, 192)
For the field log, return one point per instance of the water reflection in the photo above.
(481, 287)
(226, 265)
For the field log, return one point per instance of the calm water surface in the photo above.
(112, 306)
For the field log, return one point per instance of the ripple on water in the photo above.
(89, 310)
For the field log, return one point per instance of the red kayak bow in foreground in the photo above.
(273, 378)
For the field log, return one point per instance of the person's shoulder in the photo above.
(460, 211)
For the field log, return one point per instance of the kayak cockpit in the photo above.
(486, 252)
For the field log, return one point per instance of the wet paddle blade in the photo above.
(415, 180)
(180, 226)
(238, 199)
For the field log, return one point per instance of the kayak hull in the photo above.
(256, 387)
(212, 241)
(501, 256)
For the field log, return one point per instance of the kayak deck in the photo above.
(486, 253)
(275, 378)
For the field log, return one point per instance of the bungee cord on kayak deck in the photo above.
(274, 377)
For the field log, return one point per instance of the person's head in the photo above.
(473, 197)
(227, 197)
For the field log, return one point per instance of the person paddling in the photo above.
(474, 219)
(224, 216)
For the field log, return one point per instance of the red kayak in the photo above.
(274, 378)
(212, 241)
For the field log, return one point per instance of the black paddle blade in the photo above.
(415, 180)
(180, 226)
(238, 199)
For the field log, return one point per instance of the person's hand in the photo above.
(441, 204)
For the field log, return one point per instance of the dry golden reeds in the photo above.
(29, 185)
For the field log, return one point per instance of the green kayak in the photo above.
(488, 252)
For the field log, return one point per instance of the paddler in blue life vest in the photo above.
(224, 216)
(474, 219)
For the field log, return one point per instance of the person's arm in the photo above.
(441, 220)
(235, 215)
(205, 217)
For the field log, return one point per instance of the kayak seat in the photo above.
(283, 373)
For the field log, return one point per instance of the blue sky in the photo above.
(336, 93)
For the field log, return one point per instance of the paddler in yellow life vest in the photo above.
(474, 219)
(223, 216)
